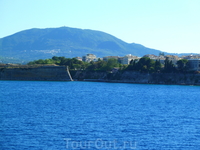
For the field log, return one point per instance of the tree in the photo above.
(132, 65)
(169, 66)
(145, 64)
(55, 58)
(103, 65)
(182, 65)
(40, 61)
(109, 64)
(158, 66)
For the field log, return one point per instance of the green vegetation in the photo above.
(72, 63)
(33, 44)
(104, 65)
(75, 64)
(182, 65)
(145, 65)
(169, 67)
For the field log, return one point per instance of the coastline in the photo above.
(131, 82)
(60, 73)
(139, 78)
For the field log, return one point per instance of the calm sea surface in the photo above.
(88, 115)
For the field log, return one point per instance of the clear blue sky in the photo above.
(167, 25)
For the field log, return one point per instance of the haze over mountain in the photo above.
(68, 42)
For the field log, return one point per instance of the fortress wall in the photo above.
(44, 73)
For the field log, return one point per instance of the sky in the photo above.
(166, 25)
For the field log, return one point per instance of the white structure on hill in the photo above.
(79, 58)
(89, 57)
(192, 56)
(126, 59)
(173, 58)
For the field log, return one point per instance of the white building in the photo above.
(161, 59)
(79, 58)
(89, 57)
(192, 56)
(173, 58)
(126, 59)
(154, 57)
(151, 56)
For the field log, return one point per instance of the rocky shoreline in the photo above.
(138, 78)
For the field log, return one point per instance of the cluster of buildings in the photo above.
(193, 60)
(123, 60)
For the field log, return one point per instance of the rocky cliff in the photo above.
(137, 77)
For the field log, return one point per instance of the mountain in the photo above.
(68, 42)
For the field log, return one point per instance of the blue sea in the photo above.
(36, 115)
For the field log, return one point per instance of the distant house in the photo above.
(194, 64)
(79, 58)
(173, 58)
(89, 57)
(197, 56)
(160, 58)
(151, 56)
(126, 59)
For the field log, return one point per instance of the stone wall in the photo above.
(44, 73)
